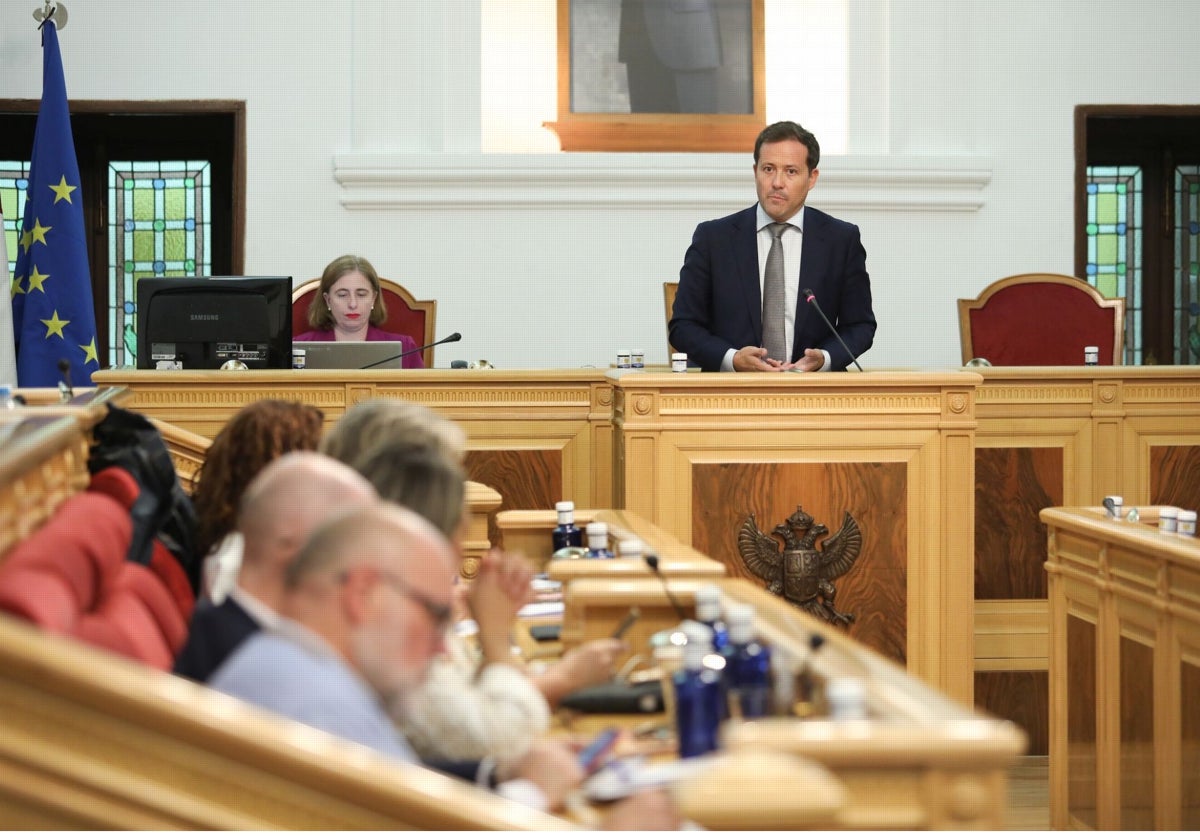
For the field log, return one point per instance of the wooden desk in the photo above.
(528, 531)
(1124, 673)
(697, 453)
(921, 760)
(535, 437)
(1062, 436)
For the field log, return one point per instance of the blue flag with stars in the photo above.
(53, 316)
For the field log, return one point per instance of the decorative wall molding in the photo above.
(410, 181)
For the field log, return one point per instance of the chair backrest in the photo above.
(406, 314)
(1041, 319)
(670, 287)
(76, 581)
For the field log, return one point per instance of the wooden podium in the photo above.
(698, 453)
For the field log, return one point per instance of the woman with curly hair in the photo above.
(258, 434)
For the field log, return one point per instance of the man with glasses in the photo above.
(365, 609)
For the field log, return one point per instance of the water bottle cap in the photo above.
(565, 506)
(630, 548)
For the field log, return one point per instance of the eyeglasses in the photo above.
(439, 613)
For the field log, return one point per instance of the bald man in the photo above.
(284, 504)
(365, 609)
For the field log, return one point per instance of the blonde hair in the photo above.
(420, 478)
(372, 422)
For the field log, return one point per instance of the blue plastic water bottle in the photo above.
(747, 667)
(566, 533)
(708, 611)
(597, 539)
(698, 693)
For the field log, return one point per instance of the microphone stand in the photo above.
(811, 298)
(446, 340)
(652, 562)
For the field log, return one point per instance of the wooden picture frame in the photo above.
(613, 52)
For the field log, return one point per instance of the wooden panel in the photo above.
(524, 478)
(1175, 476)
(1189, 759)
(1019, 696)
(1012, 485)
(1137, 735)
(1081, 720)
(875, 589)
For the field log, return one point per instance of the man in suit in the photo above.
(718, 314)
(283, 505)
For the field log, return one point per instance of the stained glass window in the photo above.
(1185, 309)
(14, 182)
(1114, 244)
(159, 225)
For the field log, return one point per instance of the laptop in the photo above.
(351, 355)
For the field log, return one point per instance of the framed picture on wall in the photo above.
(660, 75)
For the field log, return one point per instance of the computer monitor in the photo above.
(189, 323)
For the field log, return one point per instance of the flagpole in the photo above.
(51, 9)
(54, 319)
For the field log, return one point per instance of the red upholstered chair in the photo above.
(71, 577)
(1041, 319)
(406, 314)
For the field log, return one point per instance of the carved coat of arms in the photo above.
(802, 573)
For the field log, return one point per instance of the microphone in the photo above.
(446, 340)
(809, 297)
(652, 562)
(65, 391)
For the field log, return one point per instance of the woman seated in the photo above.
(484, 702)
(348, 306)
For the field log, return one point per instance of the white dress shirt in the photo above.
(792, 240)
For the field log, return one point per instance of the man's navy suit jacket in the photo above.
(718, 304)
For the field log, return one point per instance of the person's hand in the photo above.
(754, 358)
(646, 810)
(812, 360)
(500, 589)
(590, 663)
(552, 766)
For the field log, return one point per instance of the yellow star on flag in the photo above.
(89, 352)
(38, 233)
(26, 239)
(36, 279)
(62, 190)
(17, 289)
(54, 326)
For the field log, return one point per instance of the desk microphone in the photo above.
(652, 562)
(809, 297)
(65, 391)
(446, 340)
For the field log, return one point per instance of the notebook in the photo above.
(350, 355)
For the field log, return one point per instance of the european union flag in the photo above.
(53, 318)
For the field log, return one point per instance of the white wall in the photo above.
(364, 135)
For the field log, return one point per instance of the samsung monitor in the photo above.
(189, 323)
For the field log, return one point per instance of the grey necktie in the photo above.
(773, 301)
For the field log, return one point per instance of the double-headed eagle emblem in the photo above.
(802, 573)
